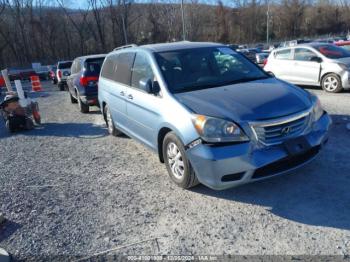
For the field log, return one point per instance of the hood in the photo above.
(345, 60)
(256, 100)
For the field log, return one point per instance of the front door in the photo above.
(305, 71)
(142, 107)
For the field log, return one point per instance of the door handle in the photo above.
(122, 93)
(130, 96)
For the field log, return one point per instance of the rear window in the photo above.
(64, 65)
(93, 66)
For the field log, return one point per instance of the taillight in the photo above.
(59, 73)
(88, 80)
(265, 61)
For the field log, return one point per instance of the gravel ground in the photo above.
(70, 189)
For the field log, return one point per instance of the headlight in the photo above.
(317, 110)
(215, 130)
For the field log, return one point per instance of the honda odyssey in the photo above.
(212, 116)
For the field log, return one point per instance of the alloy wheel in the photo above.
(331, 83)
(175, 161)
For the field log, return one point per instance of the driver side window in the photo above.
(141, 70)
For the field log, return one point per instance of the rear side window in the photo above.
(141, 70)
(109, 67)
(75, 66)
(92, 66)
(65, 65)
(118, 67)
(283, 54)
(123, 68)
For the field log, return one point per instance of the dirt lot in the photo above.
(69, 189)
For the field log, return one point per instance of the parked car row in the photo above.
(314, 64)
(212, 116)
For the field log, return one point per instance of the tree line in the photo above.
(47, 30)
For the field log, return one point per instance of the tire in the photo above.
(112, 130)
(84, 108)
(29, 124)
(176, 162)
(72, 99)
(54, 81)
(331, 83)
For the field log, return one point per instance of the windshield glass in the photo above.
(194, 69)
(332, 51)
(64, 65)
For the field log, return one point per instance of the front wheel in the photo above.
(176, 162)
(331, 83)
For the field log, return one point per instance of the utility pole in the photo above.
(183, 21)
(267, 22)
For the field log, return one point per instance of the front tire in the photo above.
(112, 130)
(331, 83)
(176, 162)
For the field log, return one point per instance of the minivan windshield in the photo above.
(332, 51)
(64, 65)
(193, 69)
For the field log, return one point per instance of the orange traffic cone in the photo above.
(36, 85)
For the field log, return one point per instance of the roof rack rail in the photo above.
(124, 46)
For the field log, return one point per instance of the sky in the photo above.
(82, 3)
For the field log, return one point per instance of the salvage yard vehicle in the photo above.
(63, 71)
(314, 64)
(82, 83)
(219, 124)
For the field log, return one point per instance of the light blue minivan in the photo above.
(212, 116)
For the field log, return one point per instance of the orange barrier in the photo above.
(36, 85)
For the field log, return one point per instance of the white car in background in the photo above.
(314, 64)
(62, 73)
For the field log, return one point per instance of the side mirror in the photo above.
(316, 59)
(149, 86)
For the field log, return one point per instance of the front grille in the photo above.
(285, 163)
(276, 132)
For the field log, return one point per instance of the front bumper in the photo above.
(221, 167)
(345, 79)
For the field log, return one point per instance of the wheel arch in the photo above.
(161, 134)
